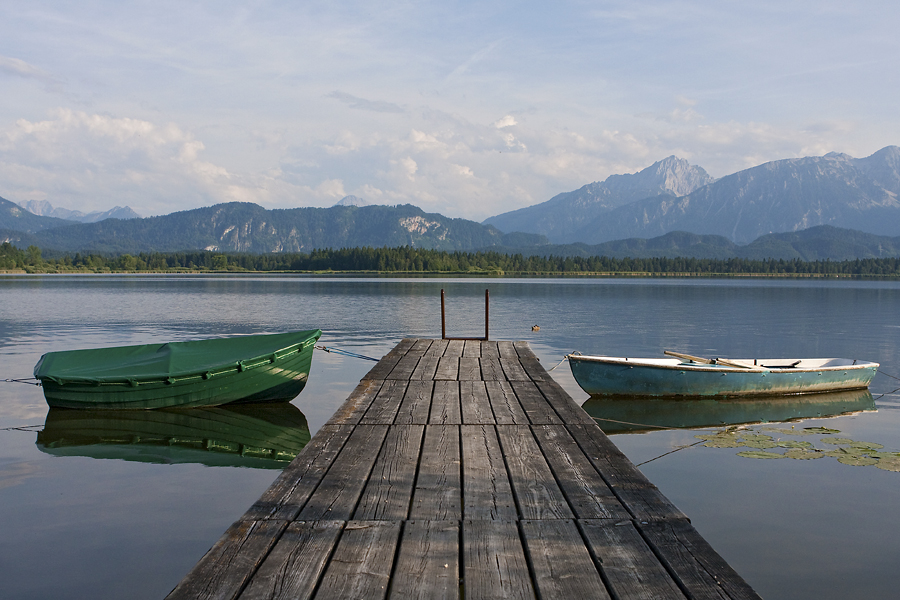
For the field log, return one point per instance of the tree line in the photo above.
(415, 260)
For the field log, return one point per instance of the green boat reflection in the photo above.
(616, 414)
(261, 436)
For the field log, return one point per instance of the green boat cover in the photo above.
(173, 360)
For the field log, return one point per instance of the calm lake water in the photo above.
(125, 520)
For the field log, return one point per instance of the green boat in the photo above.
(210, 372)
(257, 436)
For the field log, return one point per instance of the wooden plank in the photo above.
(494, 563)
(448, 368)
(383, 367)
(490, 350)
(469, 369)
(289, 492)
(387, 495)
(404, 368)
(504, 403)
(438, 487)
(428, 561)
(474, 403)
(491, 370)
(356, 570)
(404, 346)
(537, 494)
(530, 362)
(513, 370)
(384, 407)
(487, 492)
(562, 403)
(426, 368)
(455, 348)
(507, 350)
(563, 567)
(628, 564)
(445, 407)
(416, 403)
(534, 404)
(472, 349)
(642, 499)
(587, 493)
(699, 568)
(420, 348)
(437, 348)
(293, 567)
(224, 571)
(356, 405)
(339, 491)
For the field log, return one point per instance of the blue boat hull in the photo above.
(601, 376)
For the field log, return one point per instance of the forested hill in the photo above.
(246, 227)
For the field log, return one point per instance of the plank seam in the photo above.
(415, 482)
(327, 563)
(396, 559)
(598, 563)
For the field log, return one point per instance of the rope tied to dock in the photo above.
(345, 353)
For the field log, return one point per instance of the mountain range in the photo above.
(44, 209)
(247, 227)
(672, 195)
(830, 207)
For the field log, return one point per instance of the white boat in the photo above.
(686, 375)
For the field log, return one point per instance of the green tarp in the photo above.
(158, 362)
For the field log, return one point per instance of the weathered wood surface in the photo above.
(461, 469)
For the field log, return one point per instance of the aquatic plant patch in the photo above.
(847, 451)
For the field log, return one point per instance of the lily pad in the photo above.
(786, 431)
(759, 454)
(884, 455)
(803, 454)
(723, 442)
(716, 436)
(858, 461)
(795, 444)
(838, 441)
(759, 444)
(821, 430)
(889, 464)
(867, 445)
(842, 452)
(755, 437)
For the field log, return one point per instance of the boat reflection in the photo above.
(616, 414)
(261, 436)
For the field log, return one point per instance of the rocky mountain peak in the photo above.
(671, 175)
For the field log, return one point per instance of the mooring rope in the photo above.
(25, 380)
(891, 376)
(564, 359)
(30, 428)
(345, 353)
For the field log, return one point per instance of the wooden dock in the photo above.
(460, 469)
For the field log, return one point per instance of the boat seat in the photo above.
(787, 366)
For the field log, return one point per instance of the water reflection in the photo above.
(639, 415)
(261, 436)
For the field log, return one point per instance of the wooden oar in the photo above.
(712, 361)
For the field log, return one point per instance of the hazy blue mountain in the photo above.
(352, 201)
(16, 218)
(246, 227)
(45, 209)
(561, 217)
(780, 196)
(823, 242)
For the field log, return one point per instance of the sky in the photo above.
(469, 109)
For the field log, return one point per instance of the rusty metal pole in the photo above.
(443, 320)
(487, 304)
